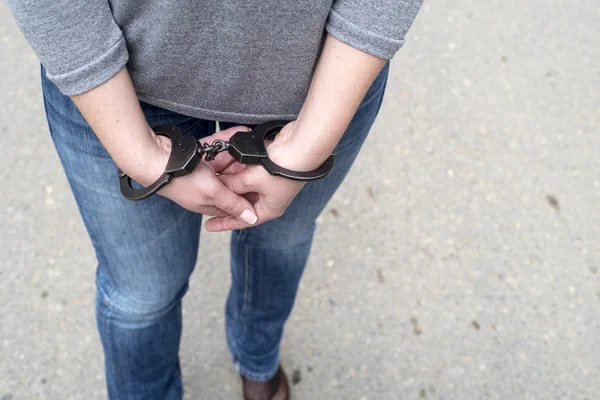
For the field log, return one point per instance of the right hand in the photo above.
(201, 191)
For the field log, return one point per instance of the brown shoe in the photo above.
(276, 388)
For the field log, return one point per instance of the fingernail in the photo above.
(249, 217)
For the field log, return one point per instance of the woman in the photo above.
(112, 70)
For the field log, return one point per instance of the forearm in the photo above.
(113, 112)
(84, 53)
(341, 80)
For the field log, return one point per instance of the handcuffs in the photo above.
(245, 147)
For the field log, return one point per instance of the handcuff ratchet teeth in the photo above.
(245, 147)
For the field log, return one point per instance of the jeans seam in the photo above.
(178, 382)
(247, 283)
(46, 105)
(108, 313)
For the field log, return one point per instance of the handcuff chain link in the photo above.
(211, 151)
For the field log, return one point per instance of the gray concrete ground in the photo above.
(460, 260)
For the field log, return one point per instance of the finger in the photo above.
(222, 162)
(235, 205)
(237, 183)
(228, 223)
(212, 211)
(233, 169)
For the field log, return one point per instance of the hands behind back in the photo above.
(202, 191)
(238, 187)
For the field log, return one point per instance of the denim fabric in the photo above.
(147, 250)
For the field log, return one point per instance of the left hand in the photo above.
(270, 195)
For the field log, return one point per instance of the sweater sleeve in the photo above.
(376, 27)
(78, 42)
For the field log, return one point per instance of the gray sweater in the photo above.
(230, 60)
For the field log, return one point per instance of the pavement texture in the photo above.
(460, 259)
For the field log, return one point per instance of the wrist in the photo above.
(146, 163)
(291, 150)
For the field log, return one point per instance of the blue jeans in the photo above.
(147, 250)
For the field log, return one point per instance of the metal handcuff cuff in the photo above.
(245, 147)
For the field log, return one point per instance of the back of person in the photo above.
(113, 70)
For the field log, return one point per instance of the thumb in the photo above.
(235, 205)
(232, 169)
(237, 182)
